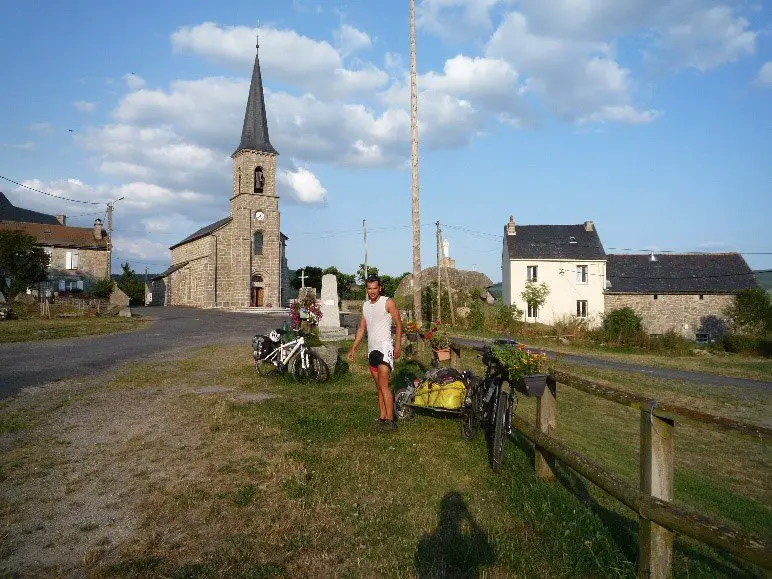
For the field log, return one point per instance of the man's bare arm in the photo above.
(360, 334)
(391, 307)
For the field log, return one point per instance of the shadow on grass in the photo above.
(458, 547)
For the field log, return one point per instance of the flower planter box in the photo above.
(442, 354)
(533, 384)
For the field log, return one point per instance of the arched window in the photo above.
(239, 184)
(259, 179)
(258, 245)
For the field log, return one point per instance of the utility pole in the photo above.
(110, 237)
(414, 155)
(439, 279)
(364, 237)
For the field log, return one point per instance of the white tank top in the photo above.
(378, 325)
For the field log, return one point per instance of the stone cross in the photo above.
(303, 278)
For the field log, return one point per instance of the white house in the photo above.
(570, 259)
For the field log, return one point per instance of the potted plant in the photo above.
(525, 368)
(305, 314)
(412, 331)
(438, 339)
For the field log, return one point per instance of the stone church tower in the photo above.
(255, 205)
(238, 261)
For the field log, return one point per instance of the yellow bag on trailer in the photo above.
(448, 396)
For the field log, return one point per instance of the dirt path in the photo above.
(82, 459)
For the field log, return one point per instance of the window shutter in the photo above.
(75, 260)
(68, 261)
(79, 285)
(61, 283)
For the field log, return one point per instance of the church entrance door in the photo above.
(257, 291)
(257, 297)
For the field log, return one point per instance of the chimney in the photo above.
(98, 229)
(511, 226)
(589, 226)
(62, 219)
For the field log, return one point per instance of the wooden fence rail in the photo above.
(658, 516)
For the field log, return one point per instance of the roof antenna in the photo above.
(652, 257)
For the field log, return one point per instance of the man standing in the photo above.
(378, 312)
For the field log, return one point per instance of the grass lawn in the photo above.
(31, 327)
(722, 364)
(199, 475)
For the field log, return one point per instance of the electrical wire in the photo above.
(49, 194)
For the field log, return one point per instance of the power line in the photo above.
(49, 194)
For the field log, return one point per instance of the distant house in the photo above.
(687, 293)
(78, 255)
(570, 259)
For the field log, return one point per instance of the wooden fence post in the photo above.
(655, 543)
(455, 356)
(546, 421)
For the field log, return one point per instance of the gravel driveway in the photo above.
(35, 363)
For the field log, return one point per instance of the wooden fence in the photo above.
(658, 516)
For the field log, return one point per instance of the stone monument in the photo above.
(329, 325)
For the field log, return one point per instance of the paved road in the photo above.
(648, 370)
(35, 363)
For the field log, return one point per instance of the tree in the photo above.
(535, 295)
(622, 326)
(751, 312)
(102, 288)
(22, 260)
(132, 285)
(371, 270)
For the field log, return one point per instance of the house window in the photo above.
(71, 260)
(572, 240)
(533, 311)
(258, 243)
(655, 296)
(581, 308)
(702, 297)
(581, 274)
(702, 338)
(531, 273)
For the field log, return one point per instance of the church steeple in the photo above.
(254, 134)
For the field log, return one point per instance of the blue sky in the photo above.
(653, 118)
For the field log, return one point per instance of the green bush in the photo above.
(623, 326)
(102, 288)
(671, 343)
(505, 318)
(476, 315)
(744, 344)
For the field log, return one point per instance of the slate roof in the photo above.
(58, 235)
(254, 134)
(554, 242)
(8, 212)
(170, 270)
(204, 231)
(699, 273)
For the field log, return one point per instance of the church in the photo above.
(238, 261)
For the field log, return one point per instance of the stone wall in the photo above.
(685, 314)
(91, 262)
(193, 284)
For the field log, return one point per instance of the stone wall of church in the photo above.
(245, 203)
(193, 285)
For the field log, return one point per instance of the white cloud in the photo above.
(84, 106)
(25, 146)
(456, 19)
(133, 81)
(764, 76)
(41, 128)
(350, 40)
(301, 186)
(709, 38)
(285, 56)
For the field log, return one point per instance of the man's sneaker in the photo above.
(384, 426)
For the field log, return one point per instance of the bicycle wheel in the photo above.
(499, 428)
(316, 369)
(470, 424)
(265, 367)
(401, 410)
